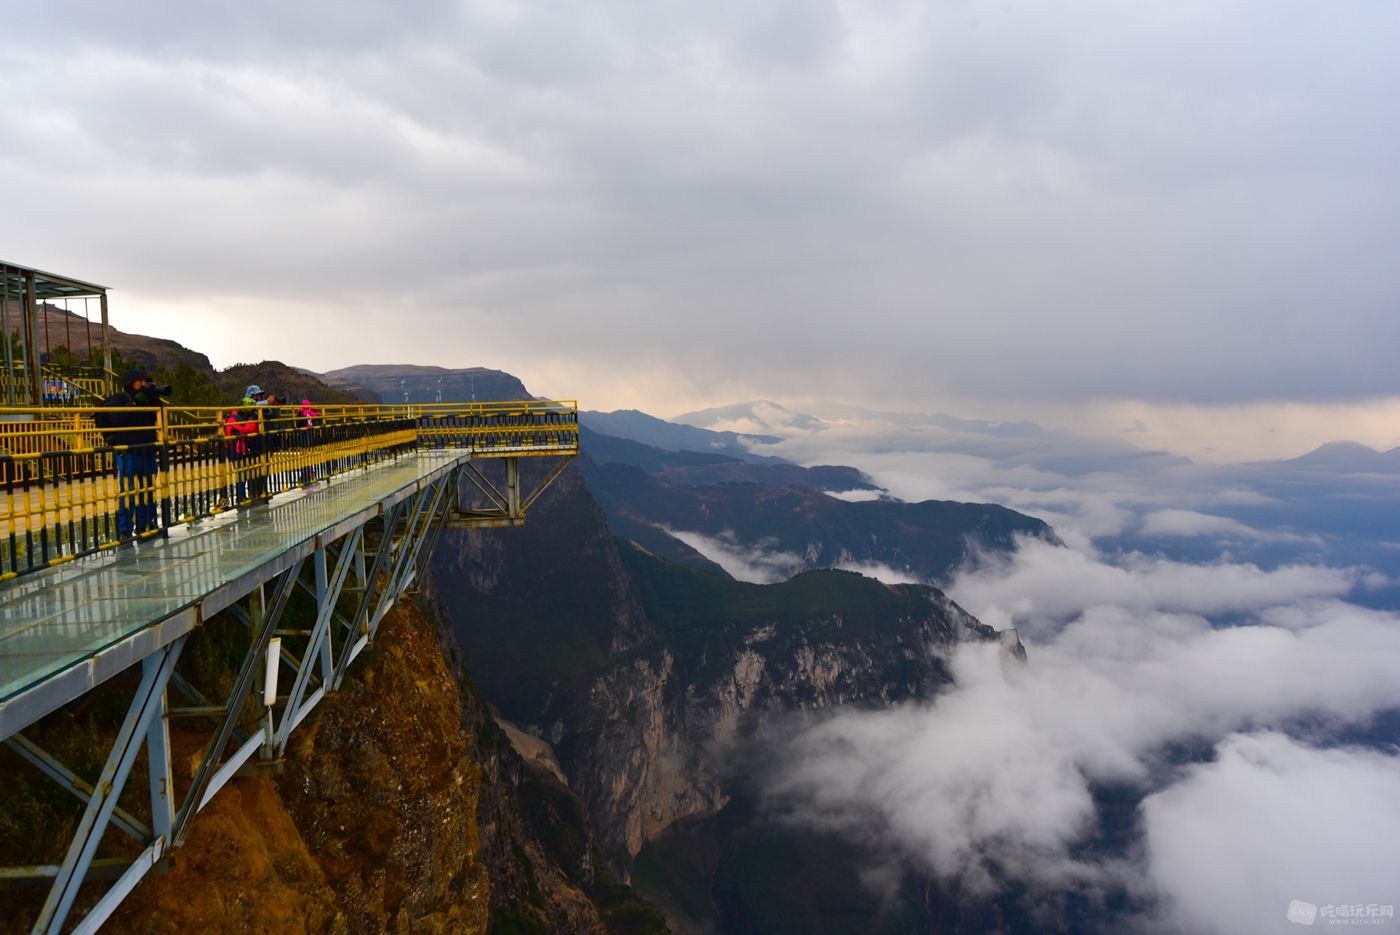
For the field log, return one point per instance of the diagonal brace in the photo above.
(146, 704)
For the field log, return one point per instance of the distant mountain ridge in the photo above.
(778, 513)
(929, 540)
(762, 414)
(689, 466)
(413, 383)
(1008, 443)
(1347, 458)
(659, 433)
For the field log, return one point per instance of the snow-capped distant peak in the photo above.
(757, 417)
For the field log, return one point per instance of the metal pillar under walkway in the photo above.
(294, 589)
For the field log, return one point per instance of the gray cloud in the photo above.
(1104, 493)
(879, 200)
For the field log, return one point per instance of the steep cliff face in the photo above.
(664, 728)
(535, 835)
(539, 609)
(648, 676)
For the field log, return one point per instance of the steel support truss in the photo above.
(341, 591)
(504, 505)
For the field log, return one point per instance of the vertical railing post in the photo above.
(161, 479)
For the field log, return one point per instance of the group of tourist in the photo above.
(258, 425)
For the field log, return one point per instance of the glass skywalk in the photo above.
(57, 621)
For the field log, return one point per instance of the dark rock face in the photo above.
(535, 833)
(537, 610)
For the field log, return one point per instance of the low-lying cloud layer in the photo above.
(1043, 586)
(1188, 524)
(993, 782)
(764, 563)
(1245, 707)
(760, 563)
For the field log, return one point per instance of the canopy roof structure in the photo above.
(18, 281)
(25, 295)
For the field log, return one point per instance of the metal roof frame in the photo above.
(46, 285)
(25, 290)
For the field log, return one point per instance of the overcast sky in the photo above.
(669, 205)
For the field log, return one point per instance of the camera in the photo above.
(153, 390)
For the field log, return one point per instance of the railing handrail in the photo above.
(69, 487)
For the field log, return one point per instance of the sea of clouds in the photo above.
(1240, 705)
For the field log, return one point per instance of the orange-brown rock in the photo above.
(370, 828)
(244, 868)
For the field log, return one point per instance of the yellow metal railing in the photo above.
(14, 384)
(68, 489)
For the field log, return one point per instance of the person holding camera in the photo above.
(131, 431)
